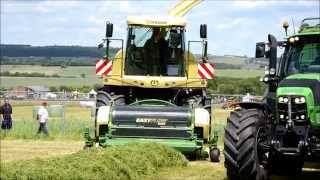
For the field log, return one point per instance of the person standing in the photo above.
(6, 111)
(42, 117)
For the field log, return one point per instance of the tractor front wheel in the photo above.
(240, 145)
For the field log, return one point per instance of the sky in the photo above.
(233, 26)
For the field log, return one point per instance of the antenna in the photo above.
(294, 28)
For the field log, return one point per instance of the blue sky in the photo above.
(233, 26)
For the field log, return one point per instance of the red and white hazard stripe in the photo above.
(103, 67)
(206, 71)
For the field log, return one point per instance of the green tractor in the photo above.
(280, 134)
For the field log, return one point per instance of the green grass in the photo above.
(71, 127)
(132, 161)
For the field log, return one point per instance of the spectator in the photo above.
(6, 111)
(42, 117)
(247, 98)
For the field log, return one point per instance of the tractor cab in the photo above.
(155, 48)
(302, 55)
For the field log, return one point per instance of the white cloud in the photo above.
(95, 19)
(124, 6)
(93, 30)
(62, 19)
(229, 23)
(249, 4)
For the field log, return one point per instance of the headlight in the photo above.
(291, 40)
(303, 116)
(285, 100)
(281, 116)
(297, 100)
(302, 100)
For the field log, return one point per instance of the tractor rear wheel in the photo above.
(240, 145)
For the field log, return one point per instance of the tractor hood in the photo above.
(307, 85)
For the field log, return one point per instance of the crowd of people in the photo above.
(6, 117)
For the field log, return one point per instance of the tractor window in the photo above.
(155, 51)
(304, 58)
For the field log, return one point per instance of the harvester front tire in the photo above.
(240, 144)
(104, 98)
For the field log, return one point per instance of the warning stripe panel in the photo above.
(103, 67)
(206, 70)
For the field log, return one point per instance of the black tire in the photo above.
(104, 98)
(214, 155)
(241, 160)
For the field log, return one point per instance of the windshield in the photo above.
(304, 56)
(155, 51)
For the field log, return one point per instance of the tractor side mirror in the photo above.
(109, 29)
(260, 50)
(272, 53)
(203, 31)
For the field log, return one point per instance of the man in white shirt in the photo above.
(42, 117)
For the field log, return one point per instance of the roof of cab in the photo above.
(156, 21)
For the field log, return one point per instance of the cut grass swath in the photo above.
(131, 161)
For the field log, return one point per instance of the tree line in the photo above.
(11, 50)
(225, 85)
(27, 74)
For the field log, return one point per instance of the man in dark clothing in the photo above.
(6, 111)
(155, 50)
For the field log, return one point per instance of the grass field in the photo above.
(13, 150)
(22, 144)
(71, 127)
(71, 76)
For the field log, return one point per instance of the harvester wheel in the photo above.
(214, 155)
(104, 98)
(240, 145)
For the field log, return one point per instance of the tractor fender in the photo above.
(103, 115)
(255, 105)
(202, 120)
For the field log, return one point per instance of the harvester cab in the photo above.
(152, 90)
(284, 129)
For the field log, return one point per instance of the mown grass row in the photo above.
(132, 161)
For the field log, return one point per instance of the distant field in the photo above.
(75, 71)
(71, 76)
(238, 73)
(228, 60)
(27, 81)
